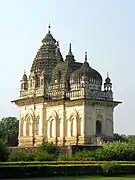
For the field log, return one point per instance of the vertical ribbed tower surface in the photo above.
(48, 54)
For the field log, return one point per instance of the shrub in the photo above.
(4, 151)
(50, 148)
(20, 156)
(110, 168)
(84, 156)
(46, 152)
(119, 151)
(44, 156)
(65, 158)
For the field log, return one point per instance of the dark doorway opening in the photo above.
(98, 128)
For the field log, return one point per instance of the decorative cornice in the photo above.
(29, 101)
(68, 102)
(106, 103)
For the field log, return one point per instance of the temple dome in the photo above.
(87, 73)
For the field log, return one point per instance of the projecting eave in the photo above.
(14, 101)
(74, 102)
(104, 102)
(28, 100)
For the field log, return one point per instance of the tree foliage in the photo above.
(121, 138)
(131, 139)
(4, 151)
(9, 127)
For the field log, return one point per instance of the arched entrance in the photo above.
(98, 128)
(53, 125)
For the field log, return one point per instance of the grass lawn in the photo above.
(88, 178)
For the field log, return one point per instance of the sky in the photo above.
(103, 28)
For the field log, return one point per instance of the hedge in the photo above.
(20, 171)
(62, 162)
(46, 170)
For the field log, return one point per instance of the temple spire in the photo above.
(70, 50)
(85, 56)
(70, 56)
(24, 78)
(108, 74)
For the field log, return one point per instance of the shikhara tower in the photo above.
(62, 100)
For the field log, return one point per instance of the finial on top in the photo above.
(85, 56)
(108, 80)
(70, 51)
(49, 28)
(24, 71)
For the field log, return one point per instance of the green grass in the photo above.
(86, 178)
(89, 178)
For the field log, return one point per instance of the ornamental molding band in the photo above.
(61, 99)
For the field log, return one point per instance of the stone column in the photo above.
(64, 122)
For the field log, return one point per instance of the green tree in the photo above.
(9, 127)
(131, 139)
(4, 151)
(120, 138)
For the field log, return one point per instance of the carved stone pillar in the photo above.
(21, 128)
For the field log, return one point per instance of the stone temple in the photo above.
(64, 101)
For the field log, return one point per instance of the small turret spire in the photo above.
(108, 84)
(70, 50)
(49, 28)
(70, 56)
(24, 78)
(85, 56)
(85, 64)
(108, 80)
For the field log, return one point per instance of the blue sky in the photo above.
(103, 28)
